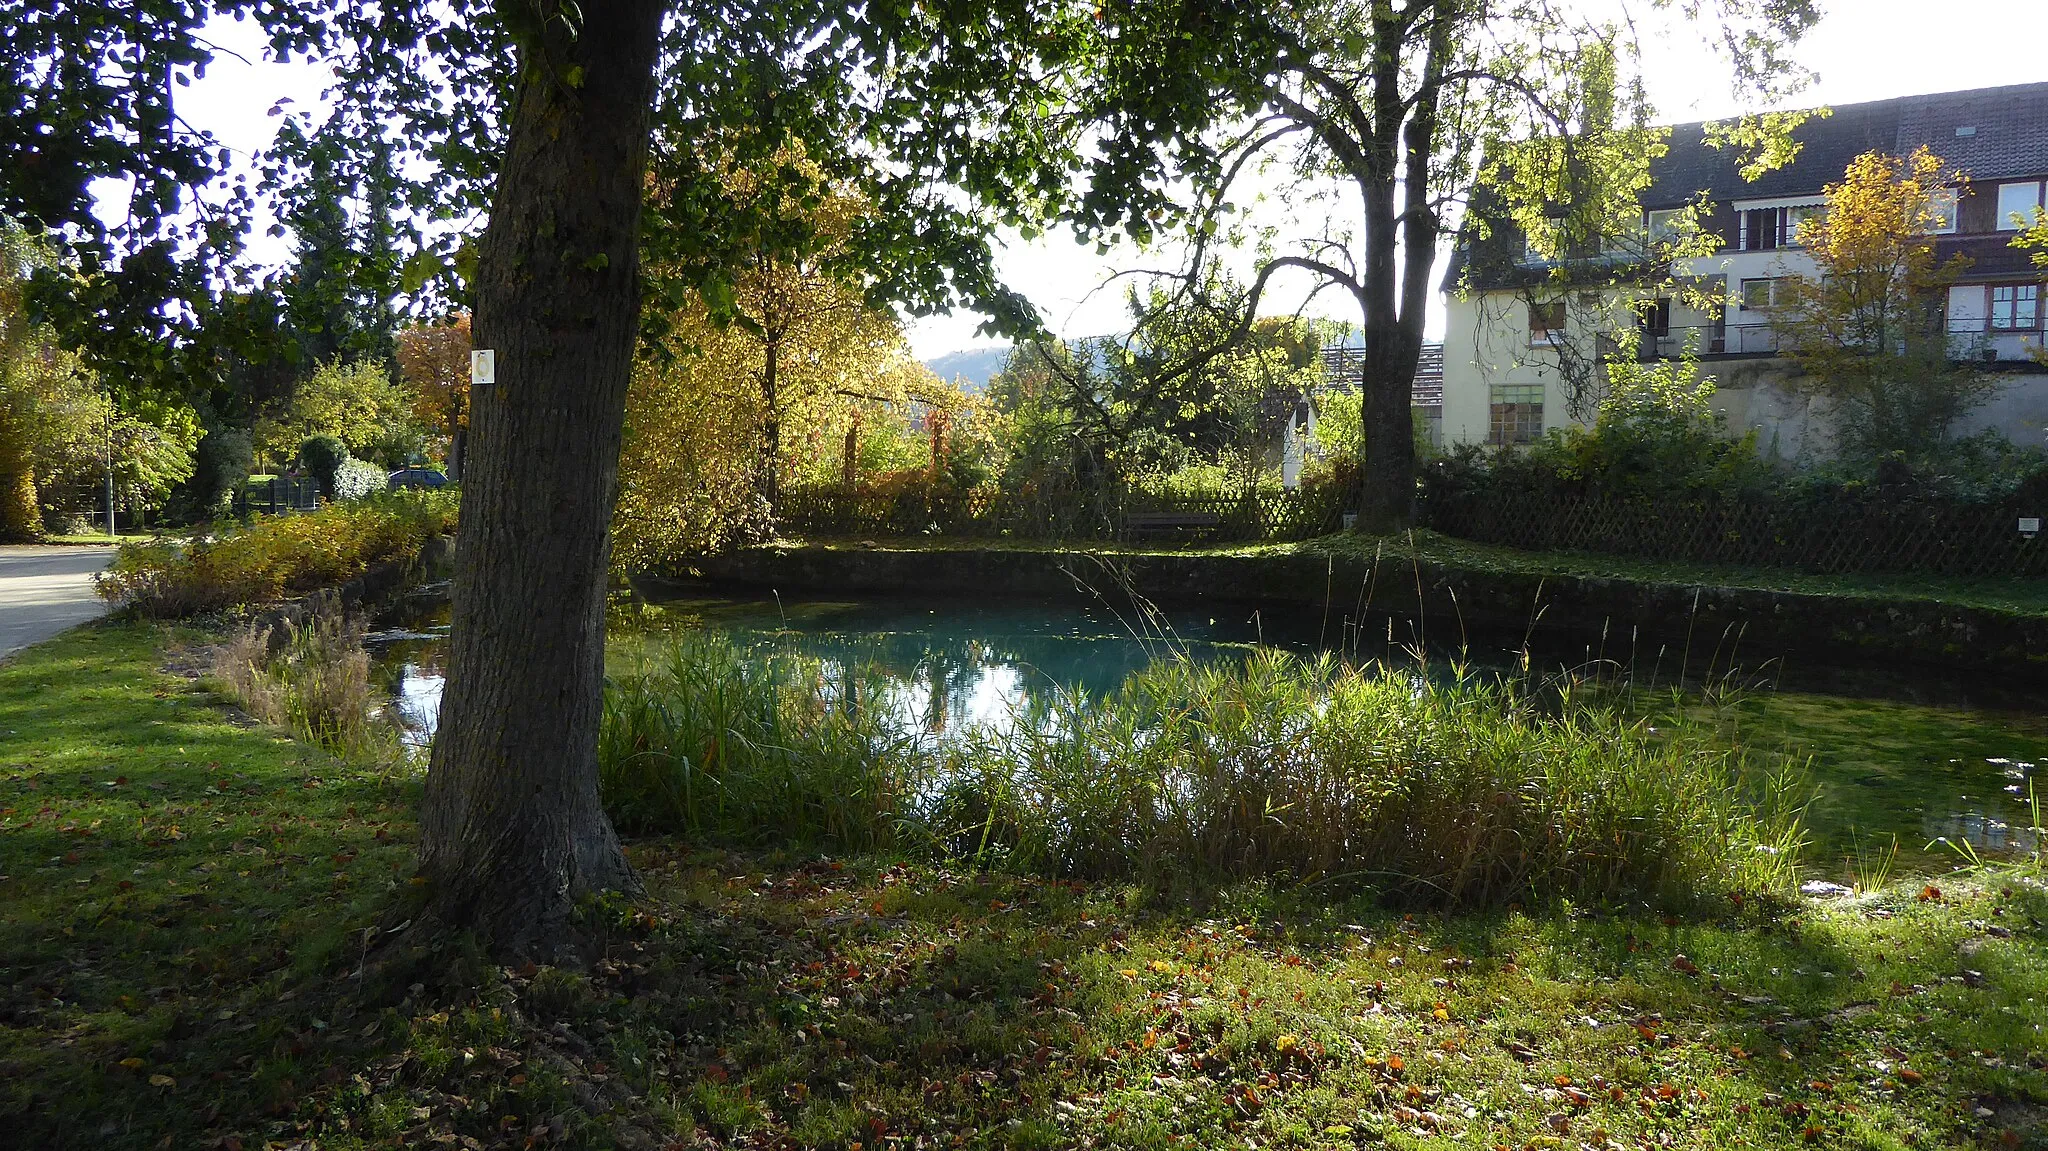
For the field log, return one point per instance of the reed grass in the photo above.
(315, 682)
(755, 747)
(1461, 793)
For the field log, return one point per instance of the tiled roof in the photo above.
(1344, 365)
(2005, 135)
(2010, 138)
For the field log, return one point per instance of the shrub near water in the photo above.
(276, 557)
(1459, 794)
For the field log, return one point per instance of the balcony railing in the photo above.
(1969, 339)
(1701, 340)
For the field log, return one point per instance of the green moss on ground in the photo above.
(2023, 596)
(185, 895)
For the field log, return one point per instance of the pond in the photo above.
(1894, 757)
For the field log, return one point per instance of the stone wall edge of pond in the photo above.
(1602, 614)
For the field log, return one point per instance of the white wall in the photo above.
(1486, 343)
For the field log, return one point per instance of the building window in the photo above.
(1941, 211)
(2016, 204)
(1762, 295)
(1966, 309)
(2015, 307)
(1657, 317)
(1760, 229)
(1794, 217)
(1663, 224)
(1546, 323)
(1517, 414)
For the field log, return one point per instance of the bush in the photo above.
(356, 479)
(1462, 794)
(322, 457)
(276, 557)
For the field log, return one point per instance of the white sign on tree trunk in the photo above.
(483, 367)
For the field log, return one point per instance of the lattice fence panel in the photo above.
(1834, 537)
(1066, 515)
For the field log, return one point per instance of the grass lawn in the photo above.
(183, 929)
(2026, 596)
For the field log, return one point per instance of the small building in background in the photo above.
(1344, 371)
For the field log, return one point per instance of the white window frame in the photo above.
(1525, 396)
(1742, 293)
(1945, 204)
(1662, 223)
(2028, 188)
(1547, 337)
(1789, 218)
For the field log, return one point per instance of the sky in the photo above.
(1862, 50)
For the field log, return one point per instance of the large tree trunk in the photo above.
(511, 830)
(1387, 502)
(458, 440)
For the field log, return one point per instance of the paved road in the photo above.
(44, 590)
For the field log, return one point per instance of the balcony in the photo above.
(1705, 341)
(1974, 339)
(1970, 340)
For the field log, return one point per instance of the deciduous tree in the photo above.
(433, 360)
(1394, 102)
(354, 402)
(1868, 330)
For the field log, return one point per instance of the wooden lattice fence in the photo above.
(1064, 515)
(1829, 535)
(1836, 535)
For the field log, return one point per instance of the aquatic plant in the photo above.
(751, 746)
(316, 682)
(1469, 792)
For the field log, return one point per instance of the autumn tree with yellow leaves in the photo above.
(433, 361)
(710, 435)
(791, 375)
(59, 431)
(1868, 330)
(2034, 238)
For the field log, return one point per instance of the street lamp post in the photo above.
(107, 444)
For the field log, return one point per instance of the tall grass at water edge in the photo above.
(1467, 793)
(316, 682)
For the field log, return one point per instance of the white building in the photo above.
(1504, 382)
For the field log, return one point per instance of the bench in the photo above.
(1143, 524)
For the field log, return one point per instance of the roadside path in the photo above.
(44, 590)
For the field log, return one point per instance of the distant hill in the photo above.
(974, 366)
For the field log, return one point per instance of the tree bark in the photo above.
(511, 828)
(771, 431)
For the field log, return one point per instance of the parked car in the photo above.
(416, 478)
